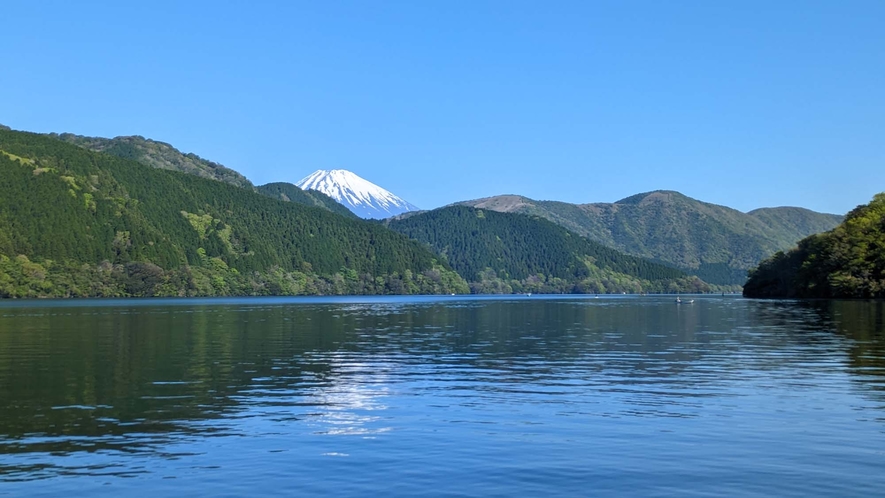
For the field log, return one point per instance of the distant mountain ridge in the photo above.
(165, 156)
(158, 155)
(846, 262)
(509, 252)
(714, 242)
(362, 197)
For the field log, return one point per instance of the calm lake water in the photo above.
(442, 396)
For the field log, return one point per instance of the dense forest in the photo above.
(846, 262)
(292, 193)
(716, 243)
(79, 223)
(139, 218)
(158, 155)
(503, 252)
(164, 156)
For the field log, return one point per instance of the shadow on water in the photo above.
(862, 323)
(137, 380)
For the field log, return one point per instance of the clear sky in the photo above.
(743, 103)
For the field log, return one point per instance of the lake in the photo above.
(442, 396)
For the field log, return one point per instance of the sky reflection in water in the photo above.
(510, 396)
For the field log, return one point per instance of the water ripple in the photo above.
(461, 397)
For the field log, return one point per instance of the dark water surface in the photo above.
(443, 397)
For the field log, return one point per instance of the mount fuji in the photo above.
(361, 196)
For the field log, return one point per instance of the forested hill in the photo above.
(847, 262)
(500, 251)
(75, 222)
(796, 223)
(165, 156)
(714, 242)
(158, 155)
(292, 193)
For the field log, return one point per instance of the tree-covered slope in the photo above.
(846, 262)
(158, 155)
(714, 242)
(522, 250)
(793, 223)
(292, 193)
(164, 156)
(64, 205)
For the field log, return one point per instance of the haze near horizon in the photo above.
(746, 104)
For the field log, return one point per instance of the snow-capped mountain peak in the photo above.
(361, 196)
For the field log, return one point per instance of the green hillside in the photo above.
(292, 193)
(846, 262)
(501, 252)
(79, 223)
(714, 242)
(793, 222)
(164, 156)
(157, 155)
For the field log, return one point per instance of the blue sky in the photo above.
(741, 103)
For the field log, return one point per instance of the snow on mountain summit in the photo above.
(361, 196)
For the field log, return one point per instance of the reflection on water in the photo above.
(476, 397)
